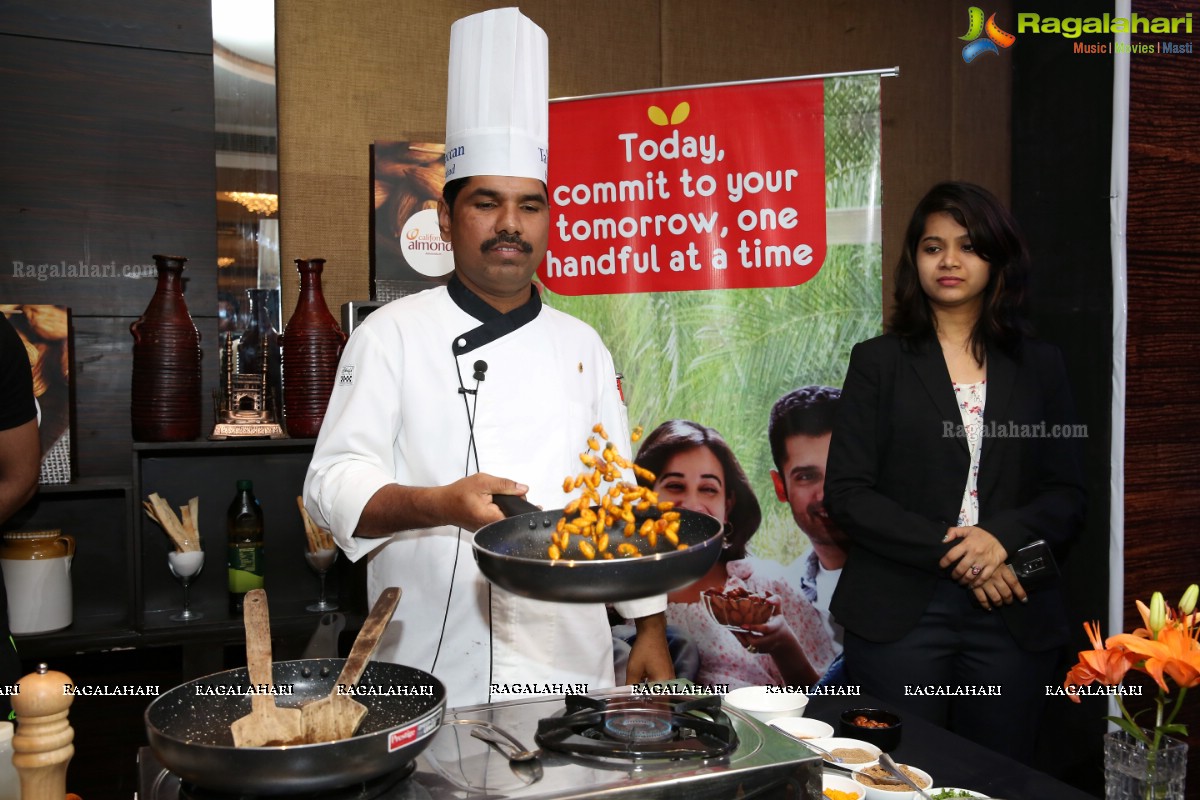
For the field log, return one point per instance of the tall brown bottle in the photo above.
(165, 402)
(311, 343)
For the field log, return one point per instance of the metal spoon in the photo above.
(886, 761)
(511, 747)
(487, 732)
(524, 763)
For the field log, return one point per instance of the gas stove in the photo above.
(609, 745)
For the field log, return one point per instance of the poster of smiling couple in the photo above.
(724, 241)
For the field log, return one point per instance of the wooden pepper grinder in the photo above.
(42, 744)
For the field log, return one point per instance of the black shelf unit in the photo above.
(123, 592)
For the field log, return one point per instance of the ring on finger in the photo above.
(976, 569)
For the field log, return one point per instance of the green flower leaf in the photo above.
(1131, 728)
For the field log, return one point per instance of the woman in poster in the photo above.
(697, 470)
(953, 449)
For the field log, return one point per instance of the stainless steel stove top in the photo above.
(459, 766)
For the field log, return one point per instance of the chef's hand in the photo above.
(649, 656)
(468, 501)
(976, 556)
(1002, 589)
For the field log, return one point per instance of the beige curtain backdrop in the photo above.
(357, 71)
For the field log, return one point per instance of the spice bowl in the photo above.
(880, 728)
(840, 787)
(892, 792)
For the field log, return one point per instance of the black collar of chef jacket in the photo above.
(495, 324)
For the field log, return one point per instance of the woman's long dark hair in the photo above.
(676, 435)
(997, 240)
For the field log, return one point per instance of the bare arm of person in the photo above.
(649, 657)
(20, 461)
(466, 503)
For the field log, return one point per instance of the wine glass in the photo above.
(321, 562)
(185, 565)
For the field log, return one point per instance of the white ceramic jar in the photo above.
(37, 580)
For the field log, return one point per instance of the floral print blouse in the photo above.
(970, 397)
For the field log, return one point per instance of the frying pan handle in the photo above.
(513, 506)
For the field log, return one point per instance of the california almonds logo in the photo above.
(994, 39)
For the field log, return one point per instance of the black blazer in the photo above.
(898, 464)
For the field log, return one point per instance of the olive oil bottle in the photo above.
(244, 531)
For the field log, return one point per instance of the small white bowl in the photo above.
(803, 727)
(874, 793)
(969, 793)
(835, 742)
(843, 784)
(766, 703)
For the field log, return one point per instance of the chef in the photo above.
(448, 397)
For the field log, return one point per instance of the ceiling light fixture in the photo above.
(255, 202)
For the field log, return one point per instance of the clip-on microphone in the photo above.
(480, 368)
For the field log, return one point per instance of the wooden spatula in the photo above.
(339, 715)
(265, 725)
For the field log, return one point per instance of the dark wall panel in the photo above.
(184, 26)
(107, 158)
(1162, 500)
(110, 161)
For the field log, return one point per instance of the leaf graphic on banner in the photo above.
(659, 117)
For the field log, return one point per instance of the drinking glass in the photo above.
(321, 562)
(185, 566)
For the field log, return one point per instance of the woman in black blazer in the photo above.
(954, 446)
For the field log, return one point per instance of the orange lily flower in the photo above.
(1169, 646)
(1175, 652)
(1144, 610)
(1106, 665)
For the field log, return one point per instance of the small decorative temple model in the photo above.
(246, 406)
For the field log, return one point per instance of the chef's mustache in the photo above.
(507, 238)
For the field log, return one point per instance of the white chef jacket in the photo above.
(396, 415)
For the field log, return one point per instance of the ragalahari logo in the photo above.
(996, 40)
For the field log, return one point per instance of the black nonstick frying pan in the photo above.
(188, 729)
(512, 554)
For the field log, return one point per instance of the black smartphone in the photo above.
(1034, 564)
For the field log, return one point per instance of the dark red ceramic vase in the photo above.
(165, 401)
(312, 343)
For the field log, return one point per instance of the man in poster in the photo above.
(799, 431)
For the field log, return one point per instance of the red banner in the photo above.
(719, 187)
